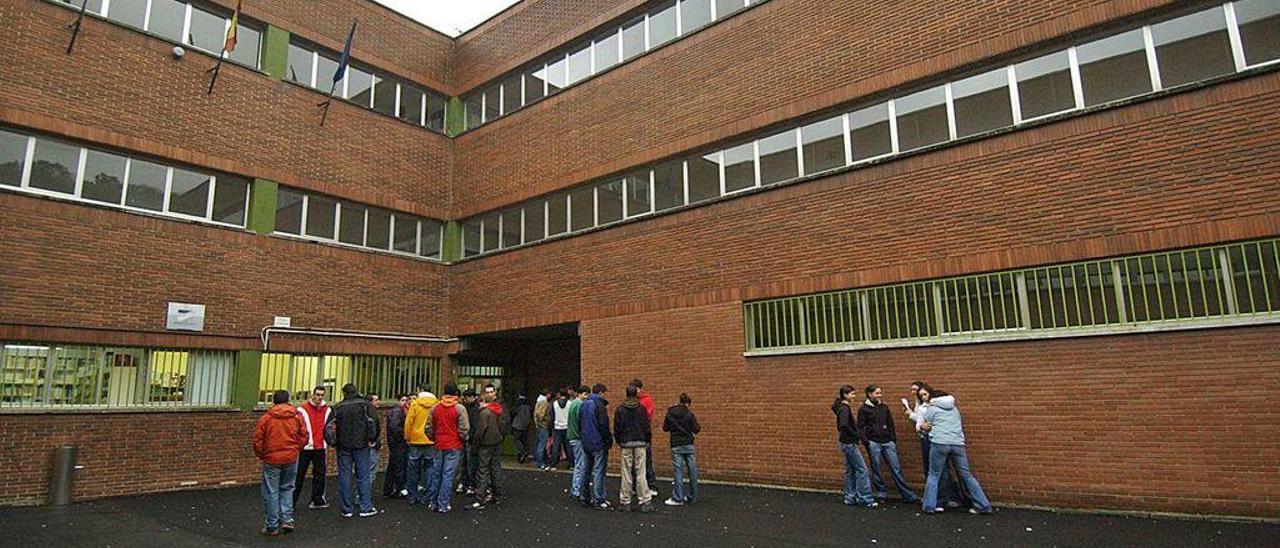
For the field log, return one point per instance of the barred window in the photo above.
(387, 376)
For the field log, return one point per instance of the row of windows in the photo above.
(54, 168)
(1235, 280)
(328, 219)
(387, 376)
(613, 46)
(182, 22)
(377, 91)
(1189, 49)
(52, 375)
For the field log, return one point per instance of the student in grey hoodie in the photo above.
(941, 419)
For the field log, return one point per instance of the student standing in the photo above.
(421, 449)
(277, 441)
(946, 439)
(522, 419)
(375, 448)
(631, 428)
(542, 421)
(875, 423)
(596, 441)
(857, 486)
(355, 427)
(315, 414)
(646, 401)
(393, 484)
(470, 402)
(950, 494)
(573, 434)
(489, 436)
(683, 426)
(560, 426)
(449, 427)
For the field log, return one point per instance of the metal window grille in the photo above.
(387, 376)
(1222, 283)
(49, 375)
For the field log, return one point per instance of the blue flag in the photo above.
(346, 54)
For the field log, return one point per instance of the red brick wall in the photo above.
(1166, 421)
(772, 63)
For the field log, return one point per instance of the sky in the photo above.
(452, 17)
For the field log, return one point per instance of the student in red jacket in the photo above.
(448, 427)
(315, 413)
(278, 438)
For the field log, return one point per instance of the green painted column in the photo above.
(455, 117)
(275, 52)
(262, 206)
(452, 249)
(248, 372)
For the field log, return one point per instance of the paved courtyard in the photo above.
(539, 513)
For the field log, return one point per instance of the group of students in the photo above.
(941, 432)
(434, 441)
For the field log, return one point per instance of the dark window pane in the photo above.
(579, 64)
(694, 14)
(55, 166)
(1044, 85)
(739, 168)
(606, 51)
(360, 86)
(167, 18)
(557, 214)
(13, 156)
(351, 223)
(435, 112)
(823, 145)
(474, 110)
(491, 238)
(321, 213)
(471, 238)
(326, 69)
(609, 201)
(511, 226)
(511, 99)
(535, 85)
(668, 185)
(922, 119)
(208, 31)
(1193, 47)
(230, 199)
(406, 233)
(385, 92)
(633, 39)
(1114, 68)
(189, 193)
(557, 75)
(534, 221)
(982, 103)
(869, 132)
(725, 8)
(492, 103)
(248, 45)
(582, 208)
(704, 177)
(300, 65)
(639, 202)
(410, 104)
(1259, 29)
(129, 12)
(288, 206)
(662, 24)
(103, 178)
(378, 229)
(145, 188)
(778, 161)
(430, 246)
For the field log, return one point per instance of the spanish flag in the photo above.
(230, 45)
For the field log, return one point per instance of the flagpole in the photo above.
(228, 44)
(339, 74)
(76, 26)
(327, 102)
(215, 70)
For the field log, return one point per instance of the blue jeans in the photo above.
(948, 491)
(857, 486)
(579, 468)
(599, 460)
(446, 465)
(540, 447)
(889, 452)
(684, 459)
(939, 455)
(278, 481)
(357, 461)
(419, 473)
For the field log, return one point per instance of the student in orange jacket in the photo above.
(278, 438)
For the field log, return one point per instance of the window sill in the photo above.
(97, 410)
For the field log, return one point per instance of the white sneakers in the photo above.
(672, 502)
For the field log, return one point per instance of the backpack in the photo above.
(331, 432)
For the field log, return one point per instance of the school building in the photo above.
(1065, 213)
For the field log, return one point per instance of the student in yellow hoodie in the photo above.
(421, 449)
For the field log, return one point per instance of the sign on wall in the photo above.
(185, 317)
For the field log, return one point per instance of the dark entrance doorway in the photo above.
(520, 361)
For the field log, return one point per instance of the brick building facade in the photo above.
(1111, 418)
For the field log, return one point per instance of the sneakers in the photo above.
(646, 508)
(872, 505)
(603, 506)
(270, 532)
(370, 512)
(953, 504)
(431, 507)
(287, 528)
(653, 493)
(445, 509)
(347, 514)
(673, 502)
(323, 504)
(976, 511)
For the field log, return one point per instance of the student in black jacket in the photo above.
(354, 425)
(631, 429)
(875, 424)
(857, 487)
(683, 426)
(393, 483)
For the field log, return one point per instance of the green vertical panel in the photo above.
(248, 369)
(275, 52)
(452, 249)
(455, 121)
(262, 206)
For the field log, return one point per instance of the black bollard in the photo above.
(64, 469)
